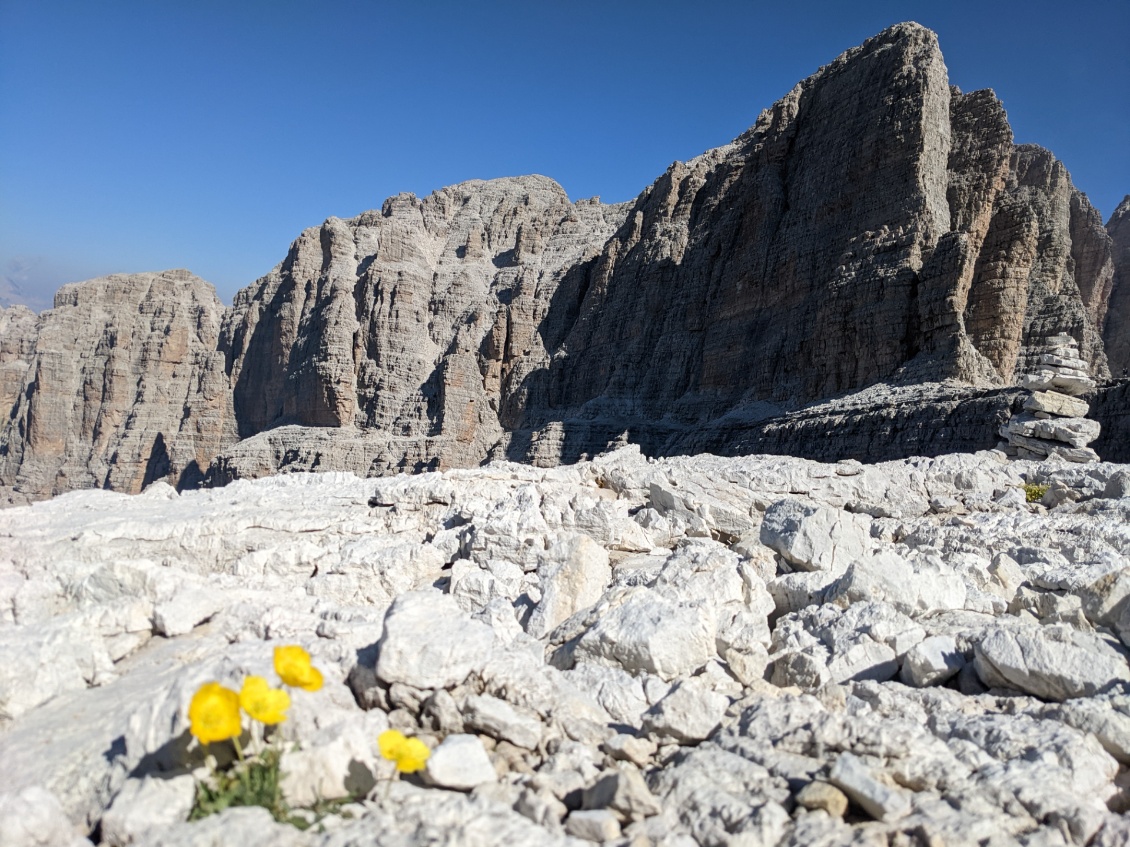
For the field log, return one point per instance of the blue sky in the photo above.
(150, 134)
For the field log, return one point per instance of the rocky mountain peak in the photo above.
(874, 227)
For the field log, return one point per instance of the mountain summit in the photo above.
(874, 226)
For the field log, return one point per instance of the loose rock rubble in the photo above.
(1054, 420)
(697, 650)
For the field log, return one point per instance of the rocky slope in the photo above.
(876, 228)
(691, 651)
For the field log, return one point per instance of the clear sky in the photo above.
(206, 134)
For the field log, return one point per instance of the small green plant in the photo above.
(1034, 493)
(254, 782)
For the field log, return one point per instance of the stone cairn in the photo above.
(1054, 422)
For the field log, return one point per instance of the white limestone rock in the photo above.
(688, 714)
(1041, 447)
(145, 805)
(460, 763)
(33, 817)
(931, 661)
(1050, 662)
(501, 720)
(573, 577)
(792, 592)
(878, 799)
(624, 791)
(247, 826)
(814, 537)
(620, 693)
(1117, 486)
(644, 631)
(185, 610)
(428, 642)
(41, 662)
(1073, 384)
(982, 767)
(1077, 432)
(912, 583)
(336, 761)
(824, 796)
(597, 825)
(1055, 403)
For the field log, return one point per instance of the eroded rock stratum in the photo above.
(875, 227)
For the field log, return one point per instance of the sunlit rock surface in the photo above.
(959, 674)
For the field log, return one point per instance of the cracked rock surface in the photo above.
(689, 651)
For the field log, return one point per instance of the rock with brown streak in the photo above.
(124, 385)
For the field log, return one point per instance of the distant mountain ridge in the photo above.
(875, 227)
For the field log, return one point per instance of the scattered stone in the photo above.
(33, 817)
(1050, 662)
(500, 720)
(460, 763)
(1117, 486)
(599, 825)
(623, 791)
(147, 804)
(931, 661)
(689, 713)
(574, 577)
(822, 795)
(856, 780)
(650, 704)
(646, 632)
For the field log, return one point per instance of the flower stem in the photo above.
(238, 747)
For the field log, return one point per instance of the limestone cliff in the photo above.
(125, 385)
(408, 322)
(1117, 332)
(875, 227)
(18, 328)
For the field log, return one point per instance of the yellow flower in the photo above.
(292, 664)
(410, 754)
(213, 714)
(263, 703)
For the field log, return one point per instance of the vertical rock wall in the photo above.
(1116, 334)
(124, 386)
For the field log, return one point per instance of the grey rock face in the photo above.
(125, 385)
(875, 227)
(1116, 334)
(18, 329)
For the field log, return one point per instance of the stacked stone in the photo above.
(1054, 422)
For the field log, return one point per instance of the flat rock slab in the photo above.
(1050, 662)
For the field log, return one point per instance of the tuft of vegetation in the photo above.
(1034, 493)
(251, 783)
(256, 782)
